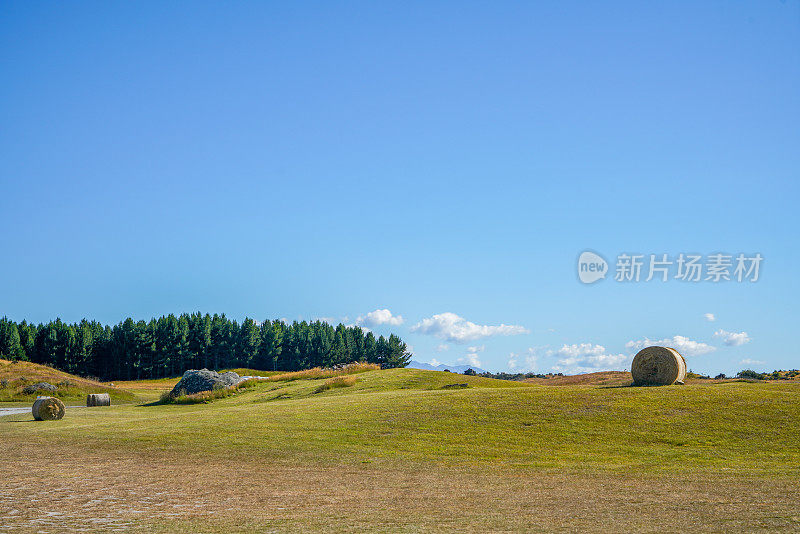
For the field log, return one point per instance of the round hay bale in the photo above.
(48, 409)
(98, 399)
(658, 366)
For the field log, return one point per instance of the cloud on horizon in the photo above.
(748, 361)
(586, 358)
(682, 344)
(528, 363)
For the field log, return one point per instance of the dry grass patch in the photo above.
(16, 376)
(336, 382)
(318, 372)
(102, 489)
(602, 378)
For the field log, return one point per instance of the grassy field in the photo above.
(416, 451)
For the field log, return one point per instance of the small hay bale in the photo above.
(658, 366)
(98, 399)
(48, 409)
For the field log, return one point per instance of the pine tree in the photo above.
(397, 353)
(169, 345)
(10, 348)
(370, 348)
(199, 339)
(46, 345)
(249, 343)
(339, 354)
(27, 338)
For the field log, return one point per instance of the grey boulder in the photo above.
(198, 380)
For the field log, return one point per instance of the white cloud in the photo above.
(748, 361)
(586, 358)
(528, 363)
(379, 317)
(732, 339)
(362, 327)
(434, 362)
(451, 327)
(470, 359)
(476, 349)
(442, 347)
(684, 345)
(710, 317)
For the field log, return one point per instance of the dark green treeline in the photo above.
(169, 345)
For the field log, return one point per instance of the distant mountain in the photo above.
(413, 364)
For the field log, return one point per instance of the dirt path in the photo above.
(25, 409)
(161, 490)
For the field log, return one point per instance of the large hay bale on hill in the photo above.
(48, 409)
(658, 366)
(98, 399)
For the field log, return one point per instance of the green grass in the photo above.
(406, 450)
(405, 415)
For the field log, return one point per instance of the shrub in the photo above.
(336, 382)
(470, 372)
(749, 373)
(455, 386)
(692, 374)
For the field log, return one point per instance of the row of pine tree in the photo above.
(169, 345)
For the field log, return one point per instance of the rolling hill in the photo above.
(414, 450)
(413, 364)
(16, 376)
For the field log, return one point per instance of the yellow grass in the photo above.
(319, 372)
(337, 382)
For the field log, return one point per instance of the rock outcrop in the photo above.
(198, 380)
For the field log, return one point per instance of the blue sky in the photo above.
(445, 161)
